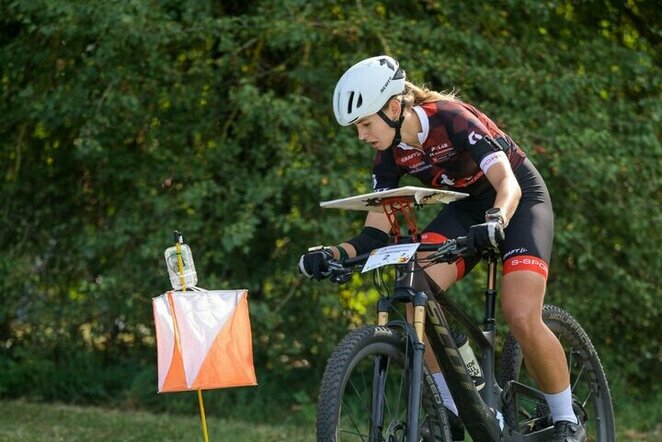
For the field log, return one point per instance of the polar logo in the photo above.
(474, 137)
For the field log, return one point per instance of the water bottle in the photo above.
(190, 276)
(469, 359)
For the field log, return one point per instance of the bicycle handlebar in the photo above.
(448, 251)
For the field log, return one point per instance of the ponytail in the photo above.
(416, 95)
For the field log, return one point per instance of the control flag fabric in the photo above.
(203, 340)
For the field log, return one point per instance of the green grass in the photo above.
(30, 422)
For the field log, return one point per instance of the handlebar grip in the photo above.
(356, 260)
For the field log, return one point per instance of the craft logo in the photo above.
(519, 251)
(410, 157)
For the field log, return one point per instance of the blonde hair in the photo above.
(415, 95)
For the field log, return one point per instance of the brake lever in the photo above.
(449, 252)
(338, 273)
(341, 278)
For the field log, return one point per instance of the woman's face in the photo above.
(374, 131)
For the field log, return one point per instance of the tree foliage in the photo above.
(123, 121)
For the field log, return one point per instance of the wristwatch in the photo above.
(495, 214)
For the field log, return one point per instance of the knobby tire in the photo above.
(591, 397)
(344, 403)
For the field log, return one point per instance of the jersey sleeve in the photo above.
(468, 131)
(385, 173)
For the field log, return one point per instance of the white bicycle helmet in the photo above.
(365, 88)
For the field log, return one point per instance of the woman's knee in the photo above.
(522, 301)
(524, 325)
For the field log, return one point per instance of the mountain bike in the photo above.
(376, 387)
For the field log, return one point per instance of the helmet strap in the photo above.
(397, 124)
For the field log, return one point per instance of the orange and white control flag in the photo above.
(203, 340)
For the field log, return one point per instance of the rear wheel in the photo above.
(590, 391)
(371, 362)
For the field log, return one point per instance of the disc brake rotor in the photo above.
(396, 432)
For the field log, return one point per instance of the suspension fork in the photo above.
(377, 405)
(415, 386)
(379, 378)
(405, 282)
(419, 300)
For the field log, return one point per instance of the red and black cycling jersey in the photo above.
(455, 137)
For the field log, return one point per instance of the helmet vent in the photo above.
(349, 102)
(359, 101)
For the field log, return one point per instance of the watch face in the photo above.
(495, 214)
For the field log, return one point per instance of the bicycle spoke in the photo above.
(352, 434)
(374, 368)
(357, 405)
(590, 392)
(350, 414)
(579, 376)
(587, 398)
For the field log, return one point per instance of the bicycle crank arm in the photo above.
(514, 387)
(508, 396)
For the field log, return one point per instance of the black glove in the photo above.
(484, 236)
(315, 264)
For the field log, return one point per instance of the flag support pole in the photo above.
(180, 264)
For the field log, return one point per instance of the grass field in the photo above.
(29, 422)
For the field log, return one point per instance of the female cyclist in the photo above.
(447, 143)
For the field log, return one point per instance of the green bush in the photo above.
(123, 121)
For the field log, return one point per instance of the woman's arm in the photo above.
(508, 192)
(375, 220)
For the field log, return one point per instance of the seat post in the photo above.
(491, 293)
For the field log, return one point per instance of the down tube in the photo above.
(477, 417)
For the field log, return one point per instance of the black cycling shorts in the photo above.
(529, 235)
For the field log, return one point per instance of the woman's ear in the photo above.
(394, 108)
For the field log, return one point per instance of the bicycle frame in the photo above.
(477, 409)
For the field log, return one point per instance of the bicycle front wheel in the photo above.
(590, 391)
(364, 389)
